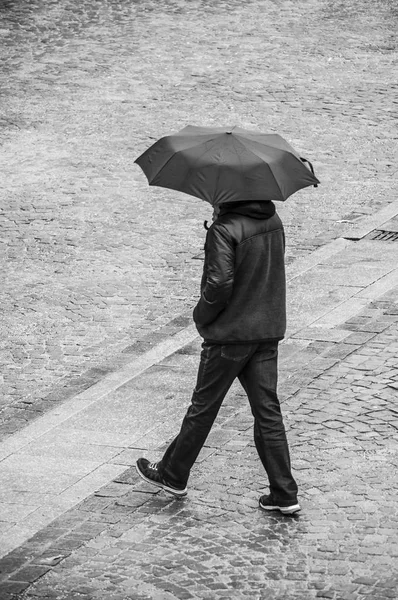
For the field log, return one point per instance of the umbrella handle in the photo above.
(311, 167)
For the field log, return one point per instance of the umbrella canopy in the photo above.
(226, 165)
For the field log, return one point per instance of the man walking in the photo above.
(241, 315)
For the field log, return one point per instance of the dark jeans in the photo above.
(256, 367)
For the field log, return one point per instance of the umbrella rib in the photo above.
(233, 140)
(257, 148)
(173, 155)
(160, 170)
(196, 161)
(236, 150)
(257, 152)
(256, 155)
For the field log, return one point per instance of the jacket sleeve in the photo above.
(218, 276)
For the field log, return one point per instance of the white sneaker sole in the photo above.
(162, 486)
(285, 510)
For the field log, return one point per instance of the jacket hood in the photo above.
(253, 209)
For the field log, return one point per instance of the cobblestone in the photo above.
(99, 269)
(94, 261)
(215, 542)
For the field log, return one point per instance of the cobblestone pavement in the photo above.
(129, 542)
(96, 263)
(93, 259)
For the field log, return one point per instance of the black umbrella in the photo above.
(221, 165)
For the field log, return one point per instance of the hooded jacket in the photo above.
(243, 288)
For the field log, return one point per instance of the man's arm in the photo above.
(219, 275)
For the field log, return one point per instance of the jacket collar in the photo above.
(254, 209)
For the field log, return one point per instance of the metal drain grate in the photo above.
(384, 236)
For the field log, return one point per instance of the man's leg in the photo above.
(219, 366)
(259, 379)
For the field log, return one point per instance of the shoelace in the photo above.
(153, 465)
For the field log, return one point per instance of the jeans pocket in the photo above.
(204, 360)
(236, 352)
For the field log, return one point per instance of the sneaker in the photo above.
(149, 473)
(266, 503)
